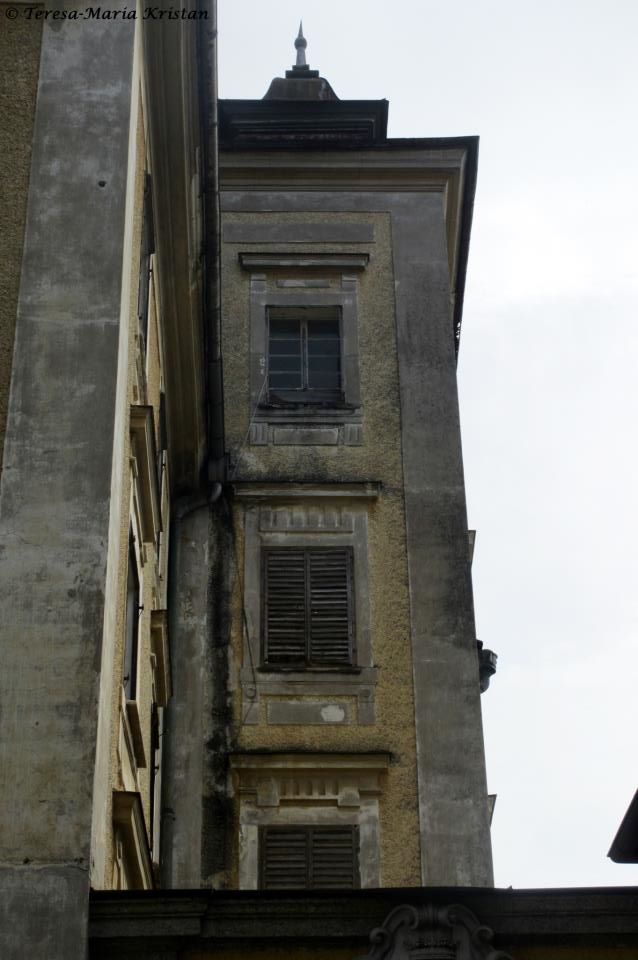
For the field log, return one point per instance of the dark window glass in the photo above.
(304, 358)
(132, 623)
(147, 248)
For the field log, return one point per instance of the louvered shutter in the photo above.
(333, 858)
(285, 606)
(308, 603)
(330, 616)
(309, 858)
(284, 858)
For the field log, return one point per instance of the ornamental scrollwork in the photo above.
(431, 932)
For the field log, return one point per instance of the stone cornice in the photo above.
(598, 917)
(321, 261)
(174, 143)
(365, 490)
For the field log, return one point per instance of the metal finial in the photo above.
(300, 46)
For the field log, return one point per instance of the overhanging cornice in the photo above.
(174, 143)
(545, 921)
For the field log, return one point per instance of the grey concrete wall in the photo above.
(188, 633)
(19, 67)
(197, 827)
(455, 838)
(54, 499)
(43, 912)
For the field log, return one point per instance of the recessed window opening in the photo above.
(304, 355)
(308, 609)
(132, 623)
(309, 858)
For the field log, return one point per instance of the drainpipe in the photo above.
(207, 81)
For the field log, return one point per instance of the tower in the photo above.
(329, 667)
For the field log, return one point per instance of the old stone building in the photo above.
(107, 352)
(240, 686)
(338, 706)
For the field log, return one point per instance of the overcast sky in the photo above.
(547, 371)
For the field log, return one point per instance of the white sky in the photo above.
(547, 372)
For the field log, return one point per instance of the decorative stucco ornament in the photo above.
(432, 933)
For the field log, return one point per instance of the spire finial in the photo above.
(300, 46)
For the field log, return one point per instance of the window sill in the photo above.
(279, 668)
(307, 404)
(303, 425)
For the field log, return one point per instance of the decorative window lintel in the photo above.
(143, 449)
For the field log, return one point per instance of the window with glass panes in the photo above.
(304, 355)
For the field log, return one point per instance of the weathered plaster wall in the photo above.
(19, 67)
(186, 713)
(118, 776)
(56, 486)
(451, 790)
(377, 458)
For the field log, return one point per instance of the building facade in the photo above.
(106, 352)
(240, 687)
(326, 668)
(237, 625)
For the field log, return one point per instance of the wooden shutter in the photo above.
(309, 858)
(308, 606)
(284, 858)
(334, 858)
(330, 600)
(284, 598)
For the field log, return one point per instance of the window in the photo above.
(147, 248)
(308, 608)
(132, 623)
(309, 820)
(300, 518)
(304, 356)
(309, 858)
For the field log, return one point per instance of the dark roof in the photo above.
(300, 124)
(624, 849)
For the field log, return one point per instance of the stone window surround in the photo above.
(305, 425)
(304, 790)
(306, 515)
(131, 841)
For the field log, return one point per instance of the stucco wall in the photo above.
(55, 494)
(378, 458)
(142, 386)
(19, 66)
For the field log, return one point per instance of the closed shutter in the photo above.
(308, 606)
(285, 606)
(309, 858)
(331, 626)
(333, 858)
(284, 858)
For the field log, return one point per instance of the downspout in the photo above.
(214, 399)
(214, 468)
